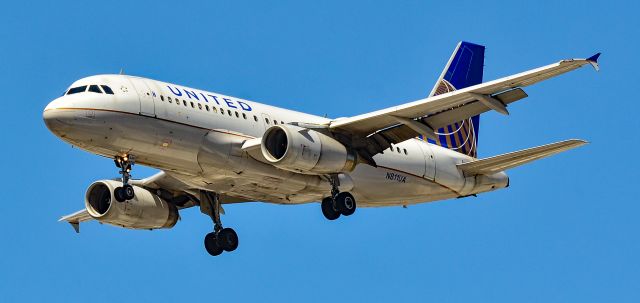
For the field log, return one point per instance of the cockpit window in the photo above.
(107, 89)
(95, 89)
(76, 90)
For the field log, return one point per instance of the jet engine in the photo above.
(145, 211)
(304, 150)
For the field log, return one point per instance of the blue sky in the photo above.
(566, 230)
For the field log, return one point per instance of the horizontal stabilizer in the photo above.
(77, 217)
(510, 160)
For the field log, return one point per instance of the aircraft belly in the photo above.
(163, 144)
(383, 186)
(256, 188)
(214, 161)
(157, 143)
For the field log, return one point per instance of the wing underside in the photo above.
(169, 187)
(392, 125)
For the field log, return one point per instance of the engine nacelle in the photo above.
(304, 150)
(145, 211)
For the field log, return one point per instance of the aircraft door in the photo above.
(146, 96)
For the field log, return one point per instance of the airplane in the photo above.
(212, 149)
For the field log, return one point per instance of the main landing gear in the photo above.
(340, 203)
(125, 192)
(221, 239)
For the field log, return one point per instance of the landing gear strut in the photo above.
(221, 239)
(340, 203)
(125, 164)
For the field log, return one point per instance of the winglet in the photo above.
(593, 60)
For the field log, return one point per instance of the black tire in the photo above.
(119, 194)
(228, 239)
(211, 244)
(327, 209)
(128, 192)
(346, 203)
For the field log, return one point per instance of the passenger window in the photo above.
(405, 150)
(206, 107)
(192, 105)
(229, 112)
(76, 90)
(169, 99)
(214, 109)
(184, 102)
(237, 115)
(266, 120)
(95, 89)
(244, 116)
(281, 122)
(398, 149)
(107, 89)
(199, 106)
(255, 118)
(162, 97)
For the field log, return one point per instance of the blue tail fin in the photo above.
(464, 69)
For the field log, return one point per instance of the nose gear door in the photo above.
(145, 94)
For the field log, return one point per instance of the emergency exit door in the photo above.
(146, 96)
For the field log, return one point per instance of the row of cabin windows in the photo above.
(397, 149)
(100, 89)
(214, 109)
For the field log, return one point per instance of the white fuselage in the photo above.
(196, 136)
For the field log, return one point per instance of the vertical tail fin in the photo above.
(464, 69)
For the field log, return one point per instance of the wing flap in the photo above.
(471, 109)
(510, 160)
(402, 132)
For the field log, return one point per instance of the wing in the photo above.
(167, 186)
(76, 218)
(510, 160)
(399, 123)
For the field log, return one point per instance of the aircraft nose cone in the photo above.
(56, 120)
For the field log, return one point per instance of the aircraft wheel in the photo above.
(346, 203)
(327, 209)
(228, 239)
(211, 244)
(128, 192)
(119, 194)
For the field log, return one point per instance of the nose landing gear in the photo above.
(125, 164)
(340, 203)
(221, 239)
